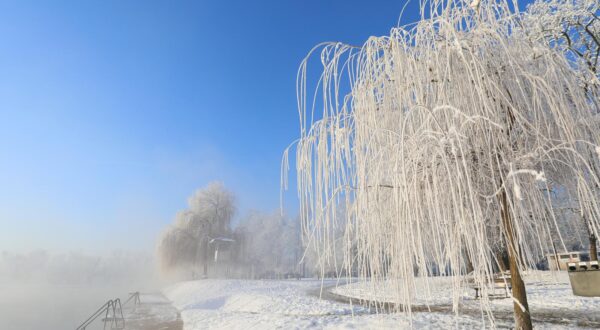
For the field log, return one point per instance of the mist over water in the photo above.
(41, 290)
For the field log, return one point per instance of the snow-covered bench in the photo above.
(499, 281)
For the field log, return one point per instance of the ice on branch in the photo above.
(415, 134)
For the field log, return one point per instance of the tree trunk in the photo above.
(593, 248)
(592, 238)
(501, 264)
(520, 305)
(468, 263)
(206, 260)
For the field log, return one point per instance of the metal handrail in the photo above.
(114, 305)
(135, 296)
(95, 315)
(114, 318)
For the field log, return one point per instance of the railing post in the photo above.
(112, 306)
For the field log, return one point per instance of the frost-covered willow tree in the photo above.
(443, 140)
(268, 244)
(572, 27)
(185, 244)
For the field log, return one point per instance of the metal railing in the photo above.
(135, 296)
(113, 315)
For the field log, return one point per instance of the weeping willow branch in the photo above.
(414, 132)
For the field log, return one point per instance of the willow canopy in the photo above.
(444, 141)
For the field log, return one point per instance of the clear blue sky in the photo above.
(113, 112)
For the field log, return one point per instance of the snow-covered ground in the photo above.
(153, 312)
(240, 304)
(544, 290)
(245, 304)
(549, 294)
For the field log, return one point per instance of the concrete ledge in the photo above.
(585, 279)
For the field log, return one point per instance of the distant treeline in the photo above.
(75, 268)
(203, 242)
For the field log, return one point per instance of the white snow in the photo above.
(153, 307)
(549, 295)
(247, 304)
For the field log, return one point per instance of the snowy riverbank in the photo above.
(240, 304)
(244, 304)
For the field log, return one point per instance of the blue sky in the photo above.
(113, 112)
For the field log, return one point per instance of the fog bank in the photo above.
(43, 290)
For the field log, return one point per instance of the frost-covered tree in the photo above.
(325, 251)
(181, 243)
(186, 243)
(268, 244)
(215, 205)
(438, 134)
(573, 27)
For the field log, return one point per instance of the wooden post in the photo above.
(520, 306)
